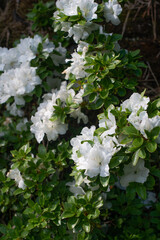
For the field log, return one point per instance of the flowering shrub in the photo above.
(79, 147)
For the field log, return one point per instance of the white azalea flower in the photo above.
(18, 82)
(135, 102)
(16, 175)
(41, 121)
(142, 122)
(76, 190)
(91, 155)
(138, 173)
(109, 123)
(69, 8)
(112, 10)
(151, 198)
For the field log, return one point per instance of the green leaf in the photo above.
(135, 53)
(137, 142)
(126, 140)
(89, 195)
(151, 146)
(141, 191)
(104, 181)
(99, 131)
(104, 94)
(67, 214)
(73, 18)
(99, 103)
(156, 172)
(72, 222)
(121, 92)
(86, 226)
(155, 133)
(18, 191)
(130, 192)
(115, 161)
(89, 89)
(91, 78)
(92, 97)
(38, 91)
(42, 150)
(130, 130)
(2, 177)
(142, 153)
(135, 157)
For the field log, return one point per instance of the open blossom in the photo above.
(78, 62)
(91, 155)
(112, 10)
(142, 122)
(41, 121)
(135, 102)
(16, 175)
(109, 123)
(17, 82)
(138, 173)
(69, 8)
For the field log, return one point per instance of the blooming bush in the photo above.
(79, 146)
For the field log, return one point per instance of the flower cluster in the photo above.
(42, 121)
(18, 78)
(16, 175)
(93, 154)
(86, 13)
(138, 117)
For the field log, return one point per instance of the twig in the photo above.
(149, 66)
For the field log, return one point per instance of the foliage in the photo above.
(79, 147)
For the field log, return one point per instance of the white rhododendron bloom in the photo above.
(151, 198)
(82, 32)
(41, 121)
(142, 122)
(76, 190)
(138, 173)
(112, 10)
(109, 123)
(91, 155)
(14, 110)
(135, 102)
(16, 175)
(17, 82)
(78, 62)
(21, 126)
(69, 8)
(59, 59)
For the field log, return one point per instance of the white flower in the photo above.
(79, 31)
(17, 82)
(76, 190)
(151, 198)
(21, 126)
(78, 62)
(109, 123)
(135, 102)
(13, 110)
(69, 8)
(142, 122)
(16, 175)
(112, 10)
(88, 9)
(91, 155)
(41, 121)
(59, 59)
(138, 173)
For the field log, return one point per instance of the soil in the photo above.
(139, 24)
